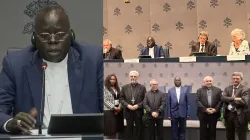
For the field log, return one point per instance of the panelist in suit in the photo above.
(109, 52)
(204, 45)
(178, 109)
(154, 103)
(208, 99)
(131, 98)
(152, 49)
(73, 77)
(235, 98)
(239, 46)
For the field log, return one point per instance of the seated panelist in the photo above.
(109, 52)
(239, 46)
(73, 76)
(204, 45)
(152, 49)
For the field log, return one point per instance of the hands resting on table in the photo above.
(22, 123)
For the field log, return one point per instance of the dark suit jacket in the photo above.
(126, 97)
(155, 102)
(113, 53)
(158, 51)
(21, 81)
(202, 102)
(210, 49)
(175, 109)
(241, 106)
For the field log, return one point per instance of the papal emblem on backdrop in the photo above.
(31, 11)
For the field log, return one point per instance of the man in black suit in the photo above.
(209, 106)
(236, 98)
(109, 52)
(204, 45)
(154, 103)
(131, 98)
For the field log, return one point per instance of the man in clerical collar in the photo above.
(131, 98)
(178, 109)
(236, 97)
(154, 103)
(69, 87)
(209, 105)
(152, 49)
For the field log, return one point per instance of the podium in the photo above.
(51, 137)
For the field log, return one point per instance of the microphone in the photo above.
(142, 51)
(105, 50)
(44, 66)
(106, 53)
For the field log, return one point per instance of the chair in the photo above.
(189, 88)
(166, 51)
(11, 50)
(162, 89)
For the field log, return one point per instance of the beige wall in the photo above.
(190, 16)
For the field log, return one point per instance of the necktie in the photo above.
(202, 48)
(235, 89)
(234, 93)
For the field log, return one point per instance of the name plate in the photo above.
(235, 57)
(131, 60)
(187, 59)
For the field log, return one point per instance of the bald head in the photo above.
(150, 42)
(177, 81)
(208, 81)
(51, 15)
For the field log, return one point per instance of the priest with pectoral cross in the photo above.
(131, 98)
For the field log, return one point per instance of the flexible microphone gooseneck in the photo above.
(44, 66)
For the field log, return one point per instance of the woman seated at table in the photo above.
(239, 46)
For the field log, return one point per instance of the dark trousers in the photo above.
(159, 129)
(232, 124)
(130, 127)
(208, 127)
(178, 126)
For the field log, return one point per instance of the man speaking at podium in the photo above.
(72, 75)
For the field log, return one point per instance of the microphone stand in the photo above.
(44, 66)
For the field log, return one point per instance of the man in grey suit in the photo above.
(131, 98)
(209, 106)
(236, 98)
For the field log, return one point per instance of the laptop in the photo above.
(84, 124)
(145, 56)
(199, 54)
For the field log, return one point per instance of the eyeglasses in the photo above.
(59, 36)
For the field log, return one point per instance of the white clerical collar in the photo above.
(58, 64)
(178, 87)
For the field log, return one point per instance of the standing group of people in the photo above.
(234, 100)
(133, 98)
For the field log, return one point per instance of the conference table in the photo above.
(242, 58)
(51, 137)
